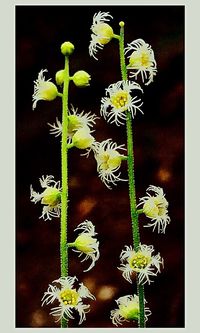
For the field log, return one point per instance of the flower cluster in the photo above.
(79, 129)
(68, 298)
(122, 102)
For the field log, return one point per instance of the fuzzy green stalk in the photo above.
(131, 176)
(64, 177)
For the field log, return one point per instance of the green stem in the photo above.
(116, 36)
(124, 158)
(64, 172)
(131, 176)
(139, 211)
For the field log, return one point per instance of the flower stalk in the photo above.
(64, 177)
(131, 177)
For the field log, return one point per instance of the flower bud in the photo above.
(51, 196)
(81, 79)
(67, 48)
(109, 160)
(84, 243)
(60, 77)
(82, 139)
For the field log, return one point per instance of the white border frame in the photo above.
(7, 192)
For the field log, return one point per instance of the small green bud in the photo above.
(60, 77)
(67, 48)
(81, 79)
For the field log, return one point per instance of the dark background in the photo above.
(159, 160)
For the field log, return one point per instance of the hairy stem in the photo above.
(131, 176)
(64, 173)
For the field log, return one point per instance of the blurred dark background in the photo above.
(159, 160)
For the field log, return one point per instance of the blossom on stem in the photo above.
(43, 89)
(86, 244)
(141, 261)
(156, 208)
(119, 100)
(108, 161)
(82, 139)
(128, 309)
(141, 60)
(102, 32)
(76, 121)
(50, 197)
(68, 297)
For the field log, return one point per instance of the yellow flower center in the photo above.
(69, 297)
(155, 206)
(109, 160)
(140, 59)
(51, 196)
(104, 32)
(139, 261)
(119, 100)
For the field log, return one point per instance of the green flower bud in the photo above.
(81, 79)
(60, 77)
(67, 48)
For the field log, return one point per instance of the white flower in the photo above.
(141, 262)
(86, 244)
(114, 107)
(108, 161)
(128, 309)
(68, 297)
(75, 121)
(43, 89)
(156, 208)
(102, 32)
(50, 197)
(141, 60)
